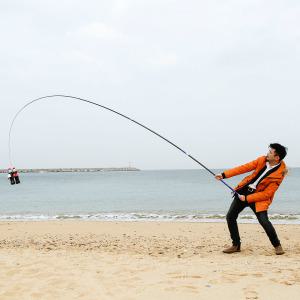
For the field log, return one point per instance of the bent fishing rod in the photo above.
(115, 112)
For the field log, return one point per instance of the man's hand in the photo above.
(242, 198)
(219, 176)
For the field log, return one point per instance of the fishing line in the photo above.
(115, 112)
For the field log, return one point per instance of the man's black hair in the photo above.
(279, 149)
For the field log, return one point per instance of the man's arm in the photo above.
(238, 170)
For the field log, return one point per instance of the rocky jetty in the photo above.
(60, 170)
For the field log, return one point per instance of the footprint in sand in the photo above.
(187, 288)
(250, 293)
(183, 276)
(288, 282)
(190, 288)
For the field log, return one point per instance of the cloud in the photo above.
(99, 30)
(163, 59)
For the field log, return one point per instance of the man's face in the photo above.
(272, 156)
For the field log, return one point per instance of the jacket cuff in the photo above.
(251, 201)
(223, 175)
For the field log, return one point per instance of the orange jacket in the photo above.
(266, 189)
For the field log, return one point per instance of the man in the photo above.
(256, 191)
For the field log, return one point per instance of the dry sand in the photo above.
(144, 260)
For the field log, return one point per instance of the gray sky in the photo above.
(218, 78)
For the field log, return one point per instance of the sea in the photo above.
(152, 195)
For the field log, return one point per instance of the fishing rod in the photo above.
(111, 110)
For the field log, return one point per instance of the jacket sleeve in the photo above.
(266, 194)
(241, 169)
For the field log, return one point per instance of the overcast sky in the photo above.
(218, 78)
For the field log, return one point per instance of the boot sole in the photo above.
(231, 252)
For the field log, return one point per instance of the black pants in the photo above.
(236, 207)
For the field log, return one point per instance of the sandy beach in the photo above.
(144, 260)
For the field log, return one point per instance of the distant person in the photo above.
(256, 191)
(15, 175)
(10, 177)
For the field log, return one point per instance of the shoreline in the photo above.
(127, 217)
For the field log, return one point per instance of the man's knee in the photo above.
(230, 217)
(265, 223)
(263, 219)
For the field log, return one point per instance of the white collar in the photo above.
(269, 167)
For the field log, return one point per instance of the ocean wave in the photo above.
(145, 216)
